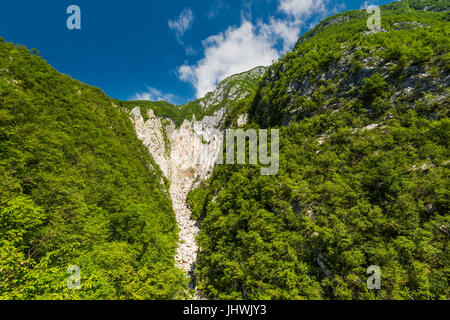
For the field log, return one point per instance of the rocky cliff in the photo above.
(187, 154)
(358, 112)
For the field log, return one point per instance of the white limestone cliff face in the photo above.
(188, 159)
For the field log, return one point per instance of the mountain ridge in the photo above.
(363, 176)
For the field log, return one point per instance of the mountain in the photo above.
(364, 168)
(130, 192)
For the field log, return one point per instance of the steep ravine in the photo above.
(185, 155)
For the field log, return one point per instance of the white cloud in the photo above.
(249, 45)
(281, 30)
(190, 51)
(183, 23)
(153, 94)
(235, 50)
(216, 8)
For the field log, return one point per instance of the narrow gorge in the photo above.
(187, 154)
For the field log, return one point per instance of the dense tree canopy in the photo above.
(364, 169)
(363, 178)
(77, 188)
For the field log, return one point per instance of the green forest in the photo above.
(364, 169)
(363, 179)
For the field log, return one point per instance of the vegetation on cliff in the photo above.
(363, 178)
(77, 188)
(364, 169)
(234, 93)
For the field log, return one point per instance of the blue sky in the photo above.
(171, 50)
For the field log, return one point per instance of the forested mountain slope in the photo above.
(185, 141)
(234, 94)
(77, 187)
(364, 169)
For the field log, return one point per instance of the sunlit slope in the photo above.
(364, 169)
(77, 188)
